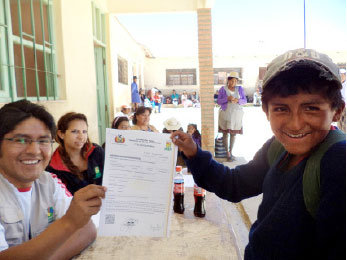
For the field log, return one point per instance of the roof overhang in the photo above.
(156, 6)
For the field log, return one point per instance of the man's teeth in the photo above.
(30, 162)
(296, 136)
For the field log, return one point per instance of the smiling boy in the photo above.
(301, 98)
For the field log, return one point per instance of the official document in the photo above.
(138, 173)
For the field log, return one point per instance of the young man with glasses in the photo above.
(39, 218)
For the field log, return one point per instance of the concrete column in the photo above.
(206, 78)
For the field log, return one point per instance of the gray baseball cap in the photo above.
(302, 57)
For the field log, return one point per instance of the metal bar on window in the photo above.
(34, 49)
(51, 41)
(103, 29)
(22, 48)
(3, 54)
(26, 43)
(28, 35)
(44, 52)
(99, 43)
(12, 76)
(99, 29)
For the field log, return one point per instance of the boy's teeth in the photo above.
(30, 162)
(296, 136)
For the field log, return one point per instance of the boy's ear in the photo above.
(338, 114)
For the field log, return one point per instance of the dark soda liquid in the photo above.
(178, 203)
(199, 208)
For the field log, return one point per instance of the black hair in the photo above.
(117, 120)
(16, 112)
(196, 133)
(140, 111)
(305, 79)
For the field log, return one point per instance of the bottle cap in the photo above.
(178, 168)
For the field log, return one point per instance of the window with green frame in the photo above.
(27, 51)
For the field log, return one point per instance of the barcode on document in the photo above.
(110, 218)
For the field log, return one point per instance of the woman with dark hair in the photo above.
(194, 133)
(141, 120)
(76, 161)
(121, 123)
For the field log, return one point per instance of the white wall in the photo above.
(75, 62)
(155, 72)
(250, 68)
(155, 69)
(122, 44)
(150, 6)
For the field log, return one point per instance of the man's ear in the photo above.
(60, 134)
(338, 113)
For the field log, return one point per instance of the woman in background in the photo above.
(194, 133)
(171, 125)
(141, 120)
(121, 123)
(76, 161)
(231, 98)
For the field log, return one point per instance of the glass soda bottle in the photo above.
(178, 191)
(199, 197)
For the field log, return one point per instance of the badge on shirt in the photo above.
(97, 172)
(50, 214)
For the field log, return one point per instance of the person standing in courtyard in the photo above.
(300, 171)
(135, 96)
(39, 218)
(230, 98)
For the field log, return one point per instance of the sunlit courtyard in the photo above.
(255, 125)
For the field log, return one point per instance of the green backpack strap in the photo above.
(311, 178)
(274, 152)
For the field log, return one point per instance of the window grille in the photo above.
(27, 51)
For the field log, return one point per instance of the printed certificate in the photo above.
(138, 173)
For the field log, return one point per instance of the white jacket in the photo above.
(49, 201)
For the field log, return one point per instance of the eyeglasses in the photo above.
(22, 142)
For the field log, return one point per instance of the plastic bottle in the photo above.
(199, 197)
(178, 191)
